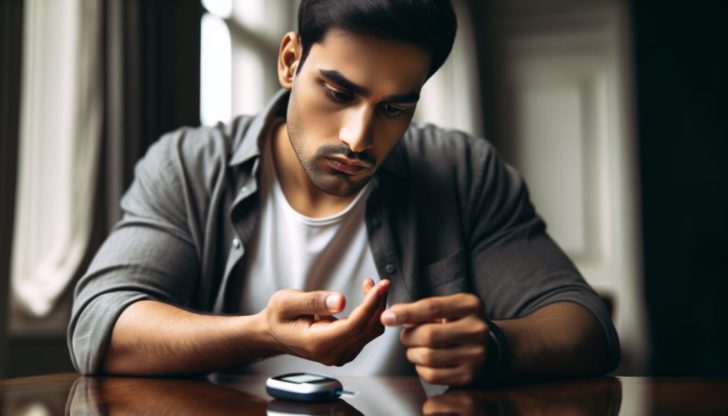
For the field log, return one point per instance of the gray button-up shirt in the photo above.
(446, 215)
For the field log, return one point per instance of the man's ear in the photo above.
(289, 55)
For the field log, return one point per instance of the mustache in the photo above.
(331, 149)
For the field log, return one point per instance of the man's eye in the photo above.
(391, 110)
(338, 96)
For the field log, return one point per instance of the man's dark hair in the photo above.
(430, 24)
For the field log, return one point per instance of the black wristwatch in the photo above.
(498, 358)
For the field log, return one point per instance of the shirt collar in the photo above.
(249, 144)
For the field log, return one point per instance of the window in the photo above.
(238, 58)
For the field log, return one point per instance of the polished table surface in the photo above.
(71, 394)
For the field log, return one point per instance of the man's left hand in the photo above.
(445, 336)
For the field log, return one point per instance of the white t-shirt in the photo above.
(290, 250)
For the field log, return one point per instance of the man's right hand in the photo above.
(155, 338)
(302, 323)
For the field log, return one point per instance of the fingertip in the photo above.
(367, 285)
(383, 290)
(335, 302)
(389, 318)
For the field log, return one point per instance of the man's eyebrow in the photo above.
(336, 77)
(409, 98)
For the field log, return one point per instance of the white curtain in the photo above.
(60, 134)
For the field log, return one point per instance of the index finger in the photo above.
(432, 309)
(359, 317)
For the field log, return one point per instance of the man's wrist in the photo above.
(263, 336)
(498, 359)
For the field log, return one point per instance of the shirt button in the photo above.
(244, 189)
(376, 223)
(236, 243)
(390, 268)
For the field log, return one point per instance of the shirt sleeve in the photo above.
(517, 267)
(150, 254)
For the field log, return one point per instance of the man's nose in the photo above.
(357, 129)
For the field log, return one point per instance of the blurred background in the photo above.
(613, 110)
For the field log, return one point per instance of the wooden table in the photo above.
(71, 394)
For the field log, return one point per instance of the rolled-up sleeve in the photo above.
(150, 254)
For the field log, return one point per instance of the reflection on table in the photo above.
(600, 396)
(71, 394)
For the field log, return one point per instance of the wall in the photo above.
(558, 97)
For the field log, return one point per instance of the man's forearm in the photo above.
(152, 337)
(559, 339)
(155, 338)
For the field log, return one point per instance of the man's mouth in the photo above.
(348, 166)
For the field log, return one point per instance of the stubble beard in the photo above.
(325, 180)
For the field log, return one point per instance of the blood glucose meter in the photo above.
(304, 387)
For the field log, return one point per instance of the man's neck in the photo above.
(301, 193)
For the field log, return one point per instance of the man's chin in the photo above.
(341, 185)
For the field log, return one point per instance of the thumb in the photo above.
(293, 304)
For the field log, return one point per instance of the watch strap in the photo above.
(498, 358)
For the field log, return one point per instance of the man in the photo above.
(275, 223)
